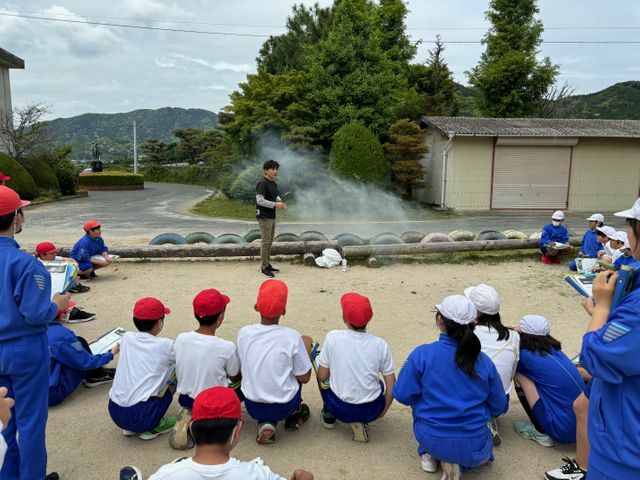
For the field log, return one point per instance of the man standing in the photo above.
(26, 308)
(267, 201)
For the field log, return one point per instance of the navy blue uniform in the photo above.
(590, 247)
(85, 248)
(25, 312)
(558, 234)
(450, 408)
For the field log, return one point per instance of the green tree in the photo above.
(155, 151)
(513, 81)
(358, 155)
(403, 151)
(395, 42)
(287, 52)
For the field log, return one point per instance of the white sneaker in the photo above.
(493, 427)
(429, 464)
(450, 471)
(128, 433)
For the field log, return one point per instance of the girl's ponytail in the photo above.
(468, 348)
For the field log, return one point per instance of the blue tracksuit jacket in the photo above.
(590, 246)
(553, 234)
(623, 260)
(86, 247)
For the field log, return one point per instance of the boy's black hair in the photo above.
(209, 320)
(494, 321)
(635, 226)
(269, 164)
(7, 220)
(213, 431)
(469, 347)
(539, 343)
(601, 234)
(145, 325)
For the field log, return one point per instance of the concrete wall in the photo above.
(432, 163)
(469, 173)
(605, 174)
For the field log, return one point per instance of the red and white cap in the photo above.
(149, 308)
(10, 201)
(209, 302)
(356, 309)
(46, 247)
(216, 402)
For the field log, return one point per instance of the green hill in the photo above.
(115, 131)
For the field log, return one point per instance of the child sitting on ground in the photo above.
(142, 390)
(590, 245)
(194, 374)
(275, 363)
(625, 257)
(216, 426)
(353, 361)
(48, 252)
(554, 236)
(72, 361)
(453, 390)
(88, 248)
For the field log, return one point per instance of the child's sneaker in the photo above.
(429, 464)
(527, 430)
(107, 376)
(328, 420)
(80, 316)
(569, 471)
(450, 471)
(165, 426)
(129, 433)
(179, 437)
(493, 426)
(360, 432)
(266, 433)
(297, 418)
(130, 472)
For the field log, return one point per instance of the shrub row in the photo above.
(110, 179)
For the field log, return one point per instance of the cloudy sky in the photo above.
(77, 68)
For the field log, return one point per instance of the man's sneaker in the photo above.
(79, 288)
(106, 377)
(52, 476)
(429, 464)
(130, 472)
(297, 418)
(179, 437)
(266, 433)
(450, 471)
(267, 273)
(360, 432)
(527, 430)
(493, 426)
(273, 269)
(569, 471)
(328, 420)
(80, 316)
(165, 426)
(129, 433)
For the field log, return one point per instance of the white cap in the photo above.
(608, 231)
(558, 215)
(620, 236)
(596, 217)
(633, 212)
(534, 325)
(484, 297)
(459, 309)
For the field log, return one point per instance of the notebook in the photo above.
(62, 276)
(100, 258)
(107, 341)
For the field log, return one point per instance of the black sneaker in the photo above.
(106, 377)
(84, 277)
(93, 274)
(569, 471)
(80, 316)
(328, 420)
(52, 476)
(79, 288)
(267, 273)
(130, 472)
(275, 270)
(297, 418)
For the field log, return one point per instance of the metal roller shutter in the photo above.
(530, 177)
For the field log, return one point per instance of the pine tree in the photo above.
(403, 151)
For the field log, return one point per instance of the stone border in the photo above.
(114, 187)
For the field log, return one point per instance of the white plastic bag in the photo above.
(330, 258)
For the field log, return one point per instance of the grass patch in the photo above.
(110, 179)
(219, 206)
(454, 258)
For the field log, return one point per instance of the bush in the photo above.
(111, 179)
(43, 175)
(243, 188)
(67, 174)
(357, 154)
(191, 175)
(156, 173)
(21, 181)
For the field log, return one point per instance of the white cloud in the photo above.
(212, 87)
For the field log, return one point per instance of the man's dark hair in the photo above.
(539, 343)
(209, 320)
(269, 164)
(7, 220)
(145, 325)
(213, 431)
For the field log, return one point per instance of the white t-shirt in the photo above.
(271, 357)
(608, 249)
(234, 469)
(204, 361)
(504, 353)
(355, 361)
(616, 255)
(143, 367)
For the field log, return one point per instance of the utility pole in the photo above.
(135, 149)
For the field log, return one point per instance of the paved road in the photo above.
(134, 217)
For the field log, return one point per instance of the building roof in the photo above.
(534, 127)
(9, 60)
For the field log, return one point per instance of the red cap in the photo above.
(272, 298)
(216, 402)
(4, 178)
(46, 247)
(209, 302)
(149, 308)
(10, 201)
(70, 305)
(90, 224)
(356, 309)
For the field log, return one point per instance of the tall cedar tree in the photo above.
(403, 151)
(512, 80)
(358, 155)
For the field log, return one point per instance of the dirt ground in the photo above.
(83, 442)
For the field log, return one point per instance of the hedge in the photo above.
(191, 175)
(357, 154)
(20, 181)
(42, 174)
(110, 179)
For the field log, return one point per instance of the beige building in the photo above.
(7, 61)
(531, 163)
